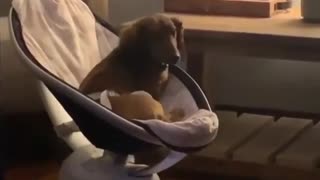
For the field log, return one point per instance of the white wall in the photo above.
(120, 11)
(4, 7)
(17, 85)
(126, 10)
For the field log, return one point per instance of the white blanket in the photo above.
(65, 38)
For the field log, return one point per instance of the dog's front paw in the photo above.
(164, 118)
(177, 115)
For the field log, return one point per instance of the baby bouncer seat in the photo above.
(60, 41)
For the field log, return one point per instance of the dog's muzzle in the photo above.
(164, 65)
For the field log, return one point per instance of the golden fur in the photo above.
(139, 63)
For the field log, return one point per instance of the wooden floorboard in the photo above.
(49, 170)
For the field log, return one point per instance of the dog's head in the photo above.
(160, 37)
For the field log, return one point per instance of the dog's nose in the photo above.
(175, 59)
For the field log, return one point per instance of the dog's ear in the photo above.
(128, 35)
(180, 32)
(132, 35)
(180, 37)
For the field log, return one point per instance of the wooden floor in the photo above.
(41, 171)
(49, 171)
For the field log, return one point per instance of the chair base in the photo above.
(95, 164)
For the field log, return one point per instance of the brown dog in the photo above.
(140, 62)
